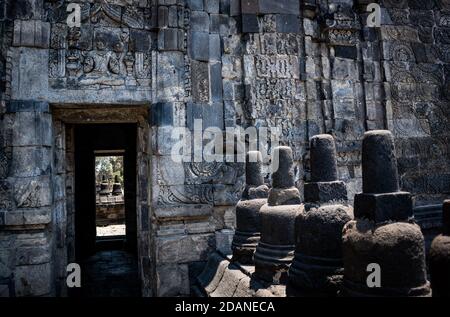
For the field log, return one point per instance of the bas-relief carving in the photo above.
(213, 173)
(99, 54)
(5, 159)
(343, 28)
(200, 81)
(416, 73)
(200, 179)
(5, 196)
(190, 194)
(110, 64)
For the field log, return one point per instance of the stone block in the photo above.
(163, 17)
(162, 114)
(325, 192)
(195, 5)
(194, 111)
(169, 79)
(31, 33)
(7, 257)
(212, 6)
(4, 291)
(29, 78)
(184, 248)
(38, 127)
(166, 139)
(199, 21)
(200, 81)
(199, 46)
(288, 23)
(170, 39)
(235, 8)
(168, 213)
(33, 255)
(213, 272)
(33, 192)
(24, 9)
(33, 280)
(140, 41)
(172, 280)
(229, 283)
(250, 6)
(226, 195)
(215, 48)
(216, 82)
(219, 24)
(213, 116)
(30, 161)
(279, 6)
(173, 17)
(29, 217)
(396, 206)
(169, 172)
(224, 239)
(250, 23)
(349, 52)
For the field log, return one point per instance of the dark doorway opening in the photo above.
(108, 264)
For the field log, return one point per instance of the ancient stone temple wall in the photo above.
(415, 58)
(303, 66)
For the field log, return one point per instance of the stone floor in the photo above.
(112, 230)
(110, 274)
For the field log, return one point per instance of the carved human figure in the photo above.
(101, 67)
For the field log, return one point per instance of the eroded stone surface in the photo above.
(246, 63)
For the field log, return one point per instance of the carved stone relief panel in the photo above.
(111, 49)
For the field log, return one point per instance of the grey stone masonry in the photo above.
(298, 68)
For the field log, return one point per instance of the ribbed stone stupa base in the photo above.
(244, 246)
(315, 276)
(272, 262)
(399, 251)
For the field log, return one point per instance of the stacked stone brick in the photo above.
(308, 67)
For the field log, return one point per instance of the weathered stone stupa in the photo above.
(383, 239)
(117, 187)
(104, 187)
(275, 250)
(254, 197)
(317, 268)
(439, 257)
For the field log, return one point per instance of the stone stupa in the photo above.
(439, 257)
(383, 248)
(248, 229)
(317, 269)
(275, 249)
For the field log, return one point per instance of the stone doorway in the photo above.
(114, 267)
(109, 266)
(90, 140)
